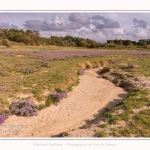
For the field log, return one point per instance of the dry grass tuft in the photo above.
(81, 65)
(88, 65)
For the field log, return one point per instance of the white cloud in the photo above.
(138, 33)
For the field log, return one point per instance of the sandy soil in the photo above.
(84, 103)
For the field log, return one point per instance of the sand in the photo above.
(86, 100)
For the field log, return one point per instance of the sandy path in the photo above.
(90, 96)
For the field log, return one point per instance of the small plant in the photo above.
(108, 115)
(51, 99)
(28, 70)
(2, 119)
(70, 88)
(37, 93)
(114, 119)
(63, 134)
(118, 82)
(102, 134)
(126, 132)
(23, 108)
(99, 76)
(88, 65)
(77, 81)
(81, 71)
(103, 125)
(58, 90)
(125, 116)
(56, 97)
(131, 65)
(41, 106)
(60, 95)
(3, 72)
(107, 109)
(104, 70)
(45, 64)
(104, 77)
(96, 65)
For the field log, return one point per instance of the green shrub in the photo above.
(103, 125)
(51, 99)
(102, 134)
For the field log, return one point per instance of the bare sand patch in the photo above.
(82, 104)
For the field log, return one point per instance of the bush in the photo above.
(6, 43)
(23, 108)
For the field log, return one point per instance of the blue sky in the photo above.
(99, 26)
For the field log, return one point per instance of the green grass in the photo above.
(15, 78)
(60, 74)
(136, 99)
(137, 124)
(139, 127)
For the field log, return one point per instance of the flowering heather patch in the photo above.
(56, 97)
(49, 55)
(2, 119)
(24, 108)
(60, 95)
(81, 71)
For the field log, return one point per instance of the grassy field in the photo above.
(28, 74)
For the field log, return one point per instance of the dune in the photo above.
(83, 103)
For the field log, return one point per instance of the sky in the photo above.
(98, 26)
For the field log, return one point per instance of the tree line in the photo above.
(11, 37)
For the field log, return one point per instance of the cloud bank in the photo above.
(96, 26)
